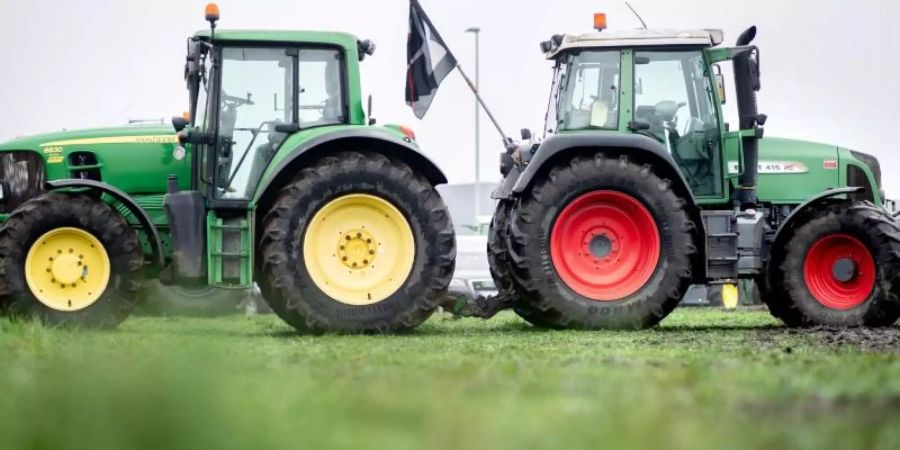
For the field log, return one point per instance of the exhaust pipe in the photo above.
(746, 78)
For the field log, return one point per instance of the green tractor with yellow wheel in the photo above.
(642, 189)
(278, 178)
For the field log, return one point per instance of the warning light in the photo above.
(600, 21)
(212, 12)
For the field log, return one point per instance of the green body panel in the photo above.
(135, 159)
(778, 185)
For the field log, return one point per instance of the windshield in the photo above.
(589, 91)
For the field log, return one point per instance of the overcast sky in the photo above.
(829, 67)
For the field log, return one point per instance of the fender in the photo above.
(125, 199)
(385, 141)
(631, 143)
(504, 189)
(777, 242)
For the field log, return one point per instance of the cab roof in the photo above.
(346, 40)
(636, 38)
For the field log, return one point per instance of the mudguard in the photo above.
(377, 139)
(564, 143)
(809, 203)
(128, 202)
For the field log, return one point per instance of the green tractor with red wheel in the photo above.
(278, 178)
(642, 189)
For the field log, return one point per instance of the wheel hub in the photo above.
(600, 246)
(357, 249)
(67, 268)
(844, 270)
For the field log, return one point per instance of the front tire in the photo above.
(839, 270)
(356, 243)
(69, 260)
(601, 243)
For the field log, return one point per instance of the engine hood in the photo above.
(792, 170)
(155, 134)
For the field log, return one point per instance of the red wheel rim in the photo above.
(839, 271)
(605, 245)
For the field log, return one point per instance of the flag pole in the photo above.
(506, 139)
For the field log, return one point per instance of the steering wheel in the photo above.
(667, 110)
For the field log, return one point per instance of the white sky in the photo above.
(829, 67)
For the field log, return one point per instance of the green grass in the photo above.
(704, 379)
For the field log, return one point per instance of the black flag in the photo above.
(429, 60)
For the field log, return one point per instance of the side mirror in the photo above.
(720, 84)
(179, 123)
(526, 134)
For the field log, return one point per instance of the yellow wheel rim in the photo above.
(67, 269)
(359, 249)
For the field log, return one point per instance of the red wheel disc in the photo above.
(823, 277)
(605, 245)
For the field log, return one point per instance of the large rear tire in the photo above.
(69, 260)
(600, 243)
(356, 243)
(839, 269)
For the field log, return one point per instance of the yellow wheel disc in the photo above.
(359, 249)
(67, 269)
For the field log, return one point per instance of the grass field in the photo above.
(704, 379)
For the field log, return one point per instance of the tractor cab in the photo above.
(662, 84)
(250, 90)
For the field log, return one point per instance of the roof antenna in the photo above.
(636, 15)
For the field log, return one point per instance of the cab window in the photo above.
(590, 91)
(674, 96)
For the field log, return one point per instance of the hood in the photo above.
(791, 170)
(137, 133)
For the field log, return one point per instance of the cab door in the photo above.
(674, 94)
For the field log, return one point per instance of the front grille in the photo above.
(857, 178)
(873, 164)
(25, 175)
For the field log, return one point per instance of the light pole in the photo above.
(477, 31)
